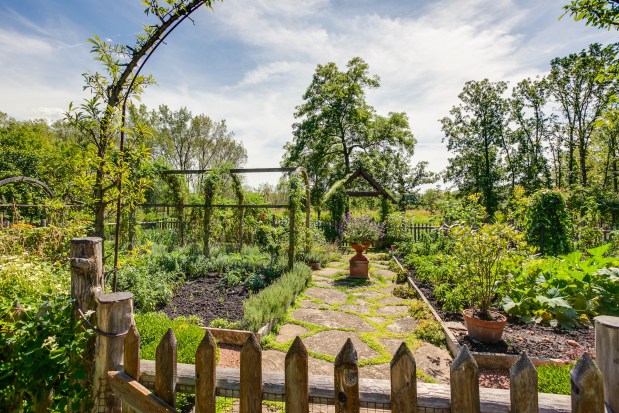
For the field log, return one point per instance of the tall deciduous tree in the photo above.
(336, 126)
(601, 13)
(475, 133)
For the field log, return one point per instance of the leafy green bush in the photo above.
(554, 379)
(153, 326)
(404, 291)
(419, 310)
(430, 331)
(26, 277)
(273, 302)
(568, 290)
(40, 350)
(548, 223)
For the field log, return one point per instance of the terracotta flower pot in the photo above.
(484, 330)
(359, 248)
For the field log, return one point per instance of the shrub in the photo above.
(188, 331)
(362, 230)
(548, 223)
(430, 331)
(404, 291)
(41, 349)
(272, 302)
(24, 276)
(419, 310)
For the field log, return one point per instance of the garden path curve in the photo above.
(334, 308)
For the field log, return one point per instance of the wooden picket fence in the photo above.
(345, 390)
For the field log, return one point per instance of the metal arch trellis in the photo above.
(233, 173)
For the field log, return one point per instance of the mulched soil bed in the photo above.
(537, 340)
(203, 297)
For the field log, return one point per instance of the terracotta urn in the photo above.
(359, 263)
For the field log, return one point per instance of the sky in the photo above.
(250, 61)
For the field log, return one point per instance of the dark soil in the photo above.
(204, 298)
(537, 340)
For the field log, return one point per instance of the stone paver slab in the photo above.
(376, 371)
(377, 320)
(273, 360)
(356, 308)
(331, 342)
(369, 294)
(328, 272)
(393, 300)
(403, 325)
(434, 361)
(328, 295)
(391, 344)
(310, 304)
(393, 310)
(332, 319)
(288, 332)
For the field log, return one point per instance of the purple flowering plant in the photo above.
(362, 230)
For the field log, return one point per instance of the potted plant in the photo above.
(360, 233)
(313, 259)
(485, 257)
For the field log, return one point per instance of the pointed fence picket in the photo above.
(298, 390)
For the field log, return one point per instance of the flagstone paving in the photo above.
(334, 308)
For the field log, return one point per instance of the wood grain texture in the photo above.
(371, 391)
(131, 357)
(587, 387)
(206, 364)
(138, 397)
(251, 377)
(523, 386)
(403, 381)
(464, 382)
(346, 379)
(165, 368)
(607, 357)
(114, 316)
(296, 378)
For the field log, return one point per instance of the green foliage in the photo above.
(419, 310)
(404, 291)
(485, 257)
(273, 302)
(548, 223)
(430, 331)
(603, 14)
(566, 290)
(554, 379)
(153, 326)
(41, 349)
(223, 323)
(24, 276)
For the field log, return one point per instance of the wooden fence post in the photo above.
(587, 387)
(607, 355)
(296, 378)
(291, 238)
(131, 359)
(87, 283)
(251, 377)
(403, 381)
(523, 386)
(346, 380)
(464, 382)
(114, 319)
(165, 368)
(206, 363)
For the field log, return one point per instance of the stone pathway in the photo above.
(335, 308)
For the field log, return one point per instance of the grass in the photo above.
(554, 379)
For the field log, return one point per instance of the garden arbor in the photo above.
(212, 183)
(26, 180)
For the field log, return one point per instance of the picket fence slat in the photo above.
(464, 381)
(297, 378)
(403, 381)
(523, 386)
(346, 379)
(135, 395)
(165, 365)
(131, 359)
(250, 400)
(587, 387)
(206, 363)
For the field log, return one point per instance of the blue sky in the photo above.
(249, 62)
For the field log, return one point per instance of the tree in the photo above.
(601, 13)
(101, 118)
(583, 93)
(475, 133)
(336, 126)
